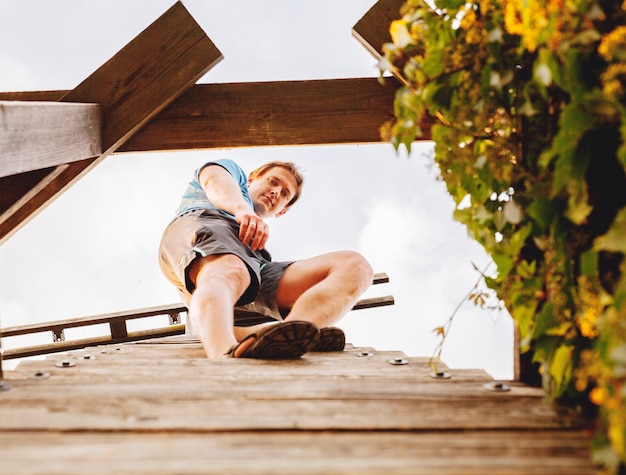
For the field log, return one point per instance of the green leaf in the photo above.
(504, 263)
(561, 368)
(526, 270)
(518, 240)
(578, 203)
(572, 73)
(571, 164)
(615, 239)
(589, 263)
(547, 59)
(524, 316)
(621, 152)
(434, 62)
(544, 320)
(542, 211)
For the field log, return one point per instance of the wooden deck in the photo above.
(160, 407)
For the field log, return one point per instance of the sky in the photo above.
(94, 249)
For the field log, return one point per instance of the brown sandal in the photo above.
(287, 340)
(331, 339)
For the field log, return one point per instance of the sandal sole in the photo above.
(289, 340)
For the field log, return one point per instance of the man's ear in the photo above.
(281, 212)
(252, 177)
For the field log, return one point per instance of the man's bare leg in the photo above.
(220, 281)
(323, 289)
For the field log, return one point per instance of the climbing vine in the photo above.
(529, 98)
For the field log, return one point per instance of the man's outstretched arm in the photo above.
(223, 191)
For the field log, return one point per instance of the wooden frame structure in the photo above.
(145, 99)
(356, 411)
(149, 102)
(117, 330)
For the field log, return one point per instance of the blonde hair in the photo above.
(290, 167)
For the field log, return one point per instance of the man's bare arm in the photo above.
(223, 191)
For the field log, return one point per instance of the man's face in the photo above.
(272, 191)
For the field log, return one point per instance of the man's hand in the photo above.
(224, 192)
(253, 231)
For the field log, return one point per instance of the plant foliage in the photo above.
(530, 139)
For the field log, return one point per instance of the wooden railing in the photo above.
(118, 331)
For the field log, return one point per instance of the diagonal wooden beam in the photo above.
(147, 74)
(372, 30)
(36, 135)
(142, 79)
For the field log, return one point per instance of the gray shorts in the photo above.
(203, 233)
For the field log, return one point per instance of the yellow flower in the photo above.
(589, 307)
(613, 45)
(598, 396)
(400, 35)
(617, 433)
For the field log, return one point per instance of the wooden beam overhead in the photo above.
(136, 84)
(36, 135)
(270, 113)
(254, 114)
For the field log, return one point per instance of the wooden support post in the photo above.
(132, 87)
(36, 135)
(174, 318)
(3, 385)
(118, 329)
(58, 334)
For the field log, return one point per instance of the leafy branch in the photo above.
(479, 297)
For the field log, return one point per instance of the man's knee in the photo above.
(221, 271)
(357, 267)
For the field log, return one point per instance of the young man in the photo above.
(214, 253)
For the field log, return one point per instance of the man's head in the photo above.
(274, 187)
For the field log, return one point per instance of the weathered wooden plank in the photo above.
(146, 387)
(80, 343)
(94, 319)
(132, 87)
(374, 302)
(22, 194)
(138, 407)
(14, 187)
(270, 113)
(372, 30)
(51, 95)
(163, 401)
(36, 135)
(334, 111)
(139, 359)
(289, 452)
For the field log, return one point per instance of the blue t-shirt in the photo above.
(195, 197)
